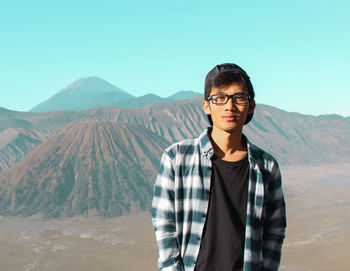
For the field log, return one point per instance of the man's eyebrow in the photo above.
(222, 92)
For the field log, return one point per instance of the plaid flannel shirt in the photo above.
(180, 204)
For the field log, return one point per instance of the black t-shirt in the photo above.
(222, 245)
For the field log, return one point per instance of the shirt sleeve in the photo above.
(163, 217)
(274, 222)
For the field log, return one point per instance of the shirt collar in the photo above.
(205, 144)
(207, 148)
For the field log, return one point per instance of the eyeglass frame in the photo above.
(228, 97)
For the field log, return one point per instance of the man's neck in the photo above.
(228, 146)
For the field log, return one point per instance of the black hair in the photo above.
(224, 75)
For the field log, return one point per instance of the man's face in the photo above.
(228, 117)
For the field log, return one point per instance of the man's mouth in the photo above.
(229, 117)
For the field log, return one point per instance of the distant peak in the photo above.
(184, 94)
(89, 78)
(91, 84)
(83, 93)
(86, 81)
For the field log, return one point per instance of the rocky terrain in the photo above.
(104, 168)
(104, 161)
(317, 238)
(76, 185)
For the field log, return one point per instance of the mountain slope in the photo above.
(138, 102)
(85, 168)
(297, 139)
(84, 93)
(172, 120)
(21, 132)
(105, 161)
(185, 94)
(16, 143)
(93, 92)
(293, 138)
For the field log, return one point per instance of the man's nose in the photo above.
(230, 103)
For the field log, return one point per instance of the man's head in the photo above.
(224, 75)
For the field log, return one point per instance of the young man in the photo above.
(218, 203)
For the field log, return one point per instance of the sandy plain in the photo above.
(318, 232)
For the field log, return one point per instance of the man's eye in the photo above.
(221, 98)
(241, 98)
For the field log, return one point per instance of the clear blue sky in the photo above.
(297, 53)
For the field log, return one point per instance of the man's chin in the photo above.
(232, 128)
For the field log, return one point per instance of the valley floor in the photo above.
(318, 232)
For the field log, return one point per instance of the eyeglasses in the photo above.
(221, 99)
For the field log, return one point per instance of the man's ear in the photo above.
(250, 112)
(206, 107)
(251, 107)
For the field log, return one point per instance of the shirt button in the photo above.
(198, 238)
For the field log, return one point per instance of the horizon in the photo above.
(334, 113)
(298, 48)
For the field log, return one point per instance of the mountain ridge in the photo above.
(180, 120)
(94, 92)
(85, 167)
(83, 93)
(59, 156)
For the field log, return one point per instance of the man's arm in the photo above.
(163, 217)
(275, 221)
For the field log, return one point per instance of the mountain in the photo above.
(335, 117)
(14, 119)
(21, 132)
(103, 168)
(171, 120)
(185, 94)
(138, 102)
(93, 92)
(84, 93)
(15, 143)
(104, 160)
(293, 138)
(297, 139)
(149, 99)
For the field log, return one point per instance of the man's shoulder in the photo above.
(191, 146)
(183, 146)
